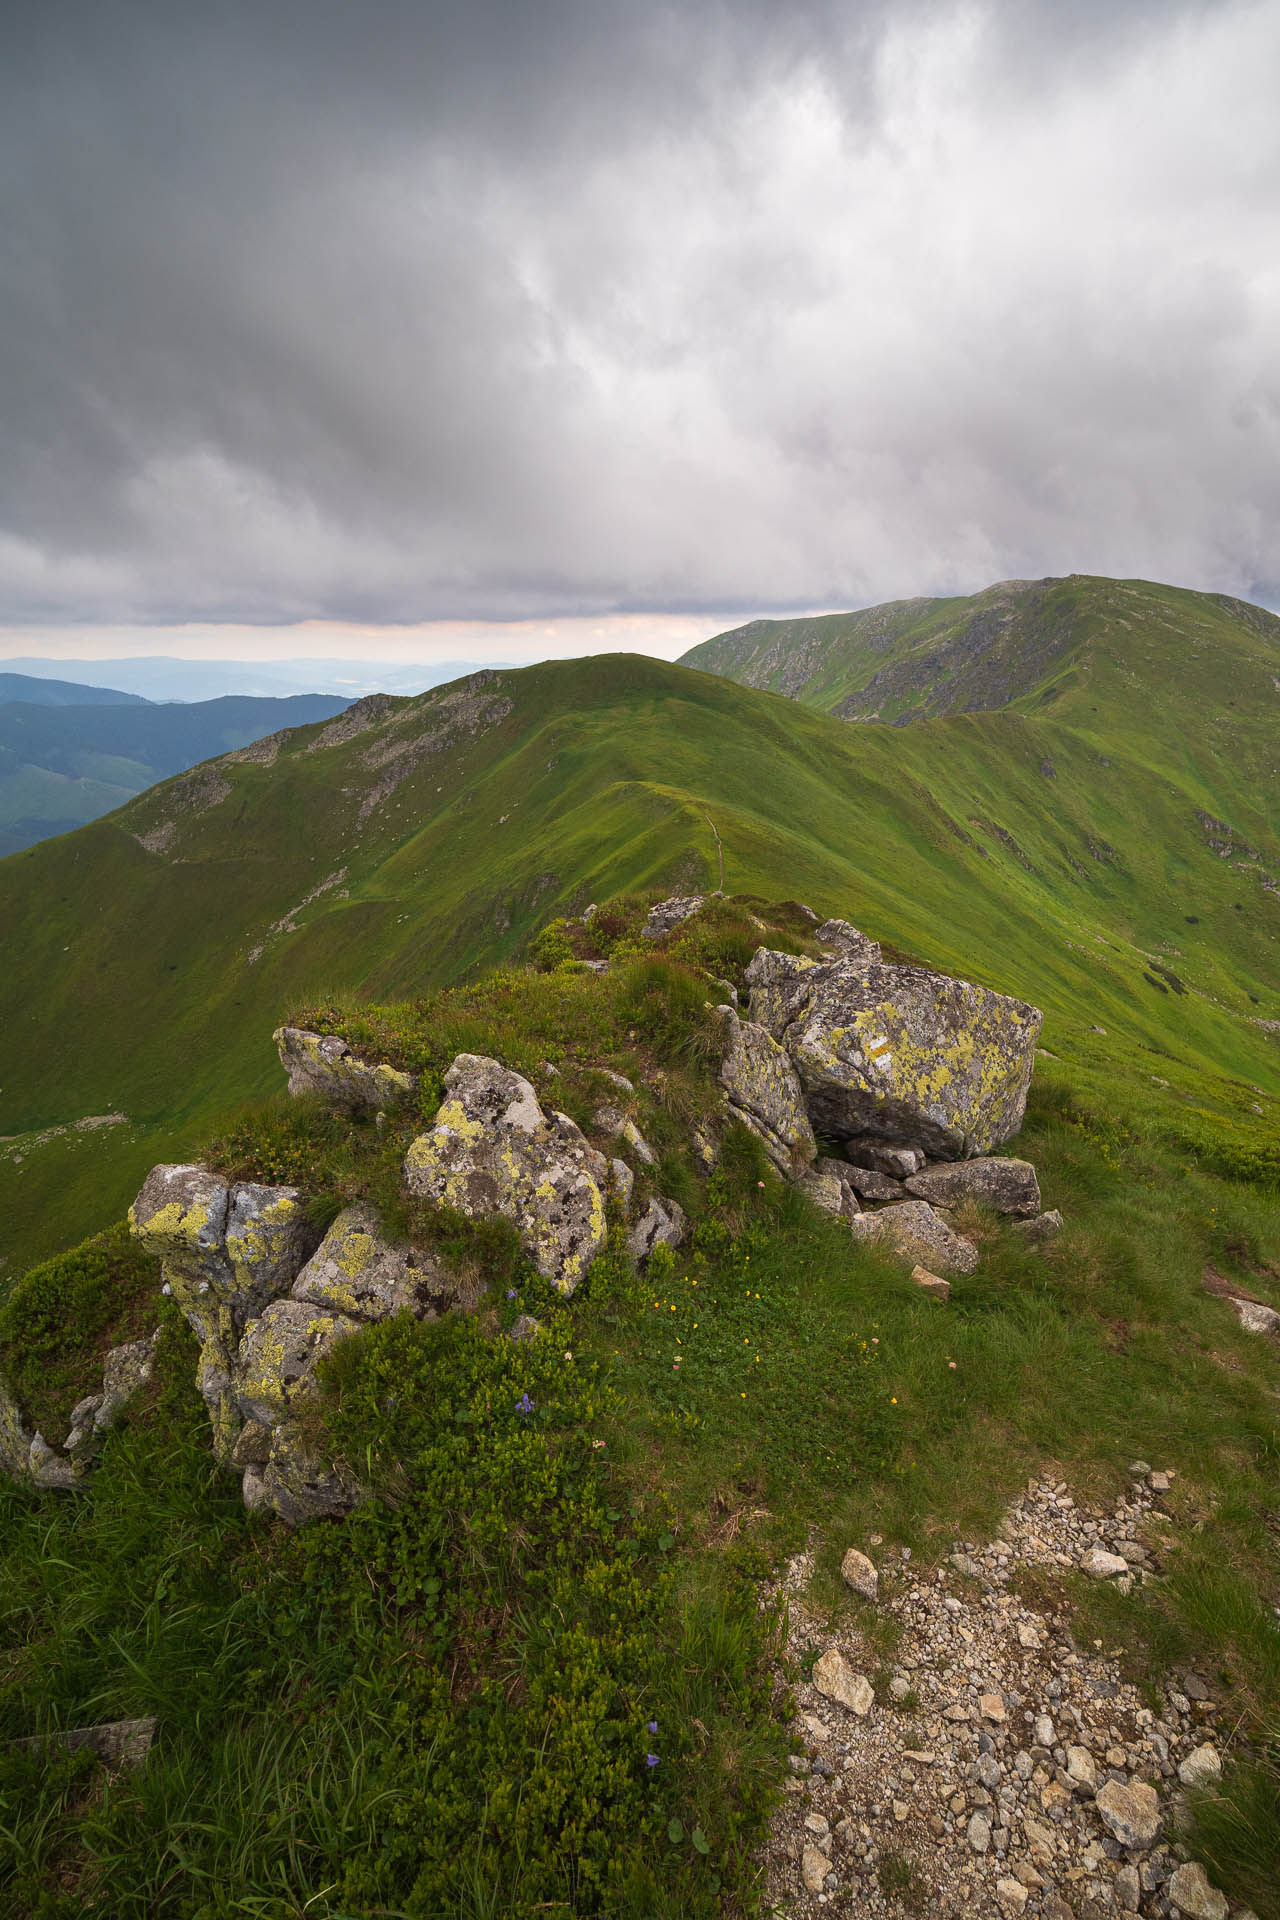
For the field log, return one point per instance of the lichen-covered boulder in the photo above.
(764, 1092)
(493, 1150)
(914, 1232)
(1007, 1186)
(15, 1437)
(911, 1057)
(296, 1482)
(279, 1354)
(1042, 1227)
(356, 1276)
(181, 1216)
(668, 914)
(358, 1272)
(226, 1251)
(49, 1468)
(662, 1223)
(324, 1064)
(837, 936)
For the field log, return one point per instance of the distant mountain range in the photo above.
(69, 753)
(63, 693)
(167, 677)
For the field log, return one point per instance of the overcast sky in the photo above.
(551, 310)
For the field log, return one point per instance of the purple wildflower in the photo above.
(511, 1293)
(524, 1404)
(651, 1759)
(653, 1726)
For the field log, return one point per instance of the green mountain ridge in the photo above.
(1118, 878)
(1033, 645)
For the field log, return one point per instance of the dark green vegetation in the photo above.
(1078, 852)
(61, 1319)
(443, 1705)
(63, 763)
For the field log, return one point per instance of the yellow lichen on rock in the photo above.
(492, 1150)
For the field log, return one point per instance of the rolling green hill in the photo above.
(1110, 854)
(65, 761)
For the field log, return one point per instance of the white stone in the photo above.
(1191, 1890)
(814, 1868)
(1201, 1767)
(1101, 1565)
(1255, 1318)
(834, 1677)
(1012, 1895)
(859, 1573)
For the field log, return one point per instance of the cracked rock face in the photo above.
(225, 1251)
(915, 1058)
(1007, 1186)
(493, 1150)
(357, 1271)
(764, 1092)
(356, 1276)
(325, 1065)
(912, 1230)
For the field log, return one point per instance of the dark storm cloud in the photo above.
(394, 312)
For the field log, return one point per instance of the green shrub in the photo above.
(60, 1320)
(551, 948)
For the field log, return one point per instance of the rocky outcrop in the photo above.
(1007, 1186)
(356, 1277)
(493, 1150)
(662, 1223)
(29, 1456)
(837, 936)
(324, 1064)
(913, 1058)
(225, 1251)
(763, 1091)
(914, 1232)
(668, 914)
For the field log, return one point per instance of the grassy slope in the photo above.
(312, 1689)
(127, 985)
(1022, 643)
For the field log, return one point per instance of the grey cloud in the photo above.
(395, 312)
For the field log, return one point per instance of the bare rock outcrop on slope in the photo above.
(764, 1092)
(914, 1058)
(493, 1150)
(324, 1064)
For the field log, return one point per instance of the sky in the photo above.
(426, 331)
